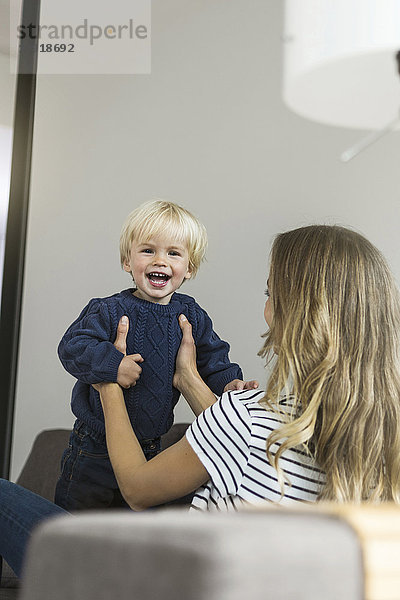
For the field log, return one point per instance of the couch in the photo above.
(40, 473)
(179, 555)
(318, 552)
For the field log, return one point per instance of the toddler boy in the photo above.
(161, 245)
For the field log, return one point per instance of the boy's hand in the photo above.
(129, 370)
(238, 384)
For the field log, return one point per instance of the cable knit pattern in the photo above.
(87, 352)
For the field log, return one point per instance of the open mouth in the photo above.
(158, 279)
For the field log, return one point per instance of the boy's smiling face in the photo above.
(158, 266)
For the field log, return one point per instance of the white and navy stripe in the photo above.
(230, 440)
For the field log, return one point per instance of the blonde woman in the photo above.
(327, 426)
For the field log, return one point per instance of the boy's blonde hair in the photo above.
(159, 217)
(336, 330)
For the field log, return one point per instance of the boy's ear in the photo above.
(127, 266)
(188, 273)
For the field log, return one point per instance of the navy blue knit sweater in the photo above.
(87, 352)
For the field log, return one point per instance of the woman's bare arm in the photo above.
(172, 474)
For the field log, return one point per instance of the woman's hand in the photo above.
(239, 384)
(186, 367)
(187, 378)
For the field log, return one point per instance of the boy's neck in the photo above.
(139, 294)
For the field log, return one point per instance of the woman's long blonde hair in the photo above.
(335, 330)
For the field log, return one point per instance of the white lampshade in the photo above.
(339, 61)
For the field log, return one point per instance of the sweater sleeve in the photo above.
(213, 355)
(86, 350)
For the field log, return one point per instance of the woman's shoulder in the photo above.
(254, 403)
(245, 397)
(244, 410)
(252, 400)
(244, 404)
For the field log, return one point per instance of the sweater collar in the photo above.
(173, 307)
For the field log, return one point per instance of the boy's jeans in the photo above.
(87, 479)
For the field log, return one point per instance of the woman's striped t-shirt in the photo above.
(230, 438)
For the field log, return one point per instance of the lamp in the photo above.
(340, 64)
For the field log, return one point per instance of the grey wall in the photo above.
(206, 129)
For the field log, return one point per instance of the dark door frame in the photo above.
(14, 255)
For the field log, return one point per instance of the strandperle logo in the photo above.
(84, 37)
(84, 31)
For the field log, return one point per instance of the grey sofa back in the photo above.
(176, 555)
